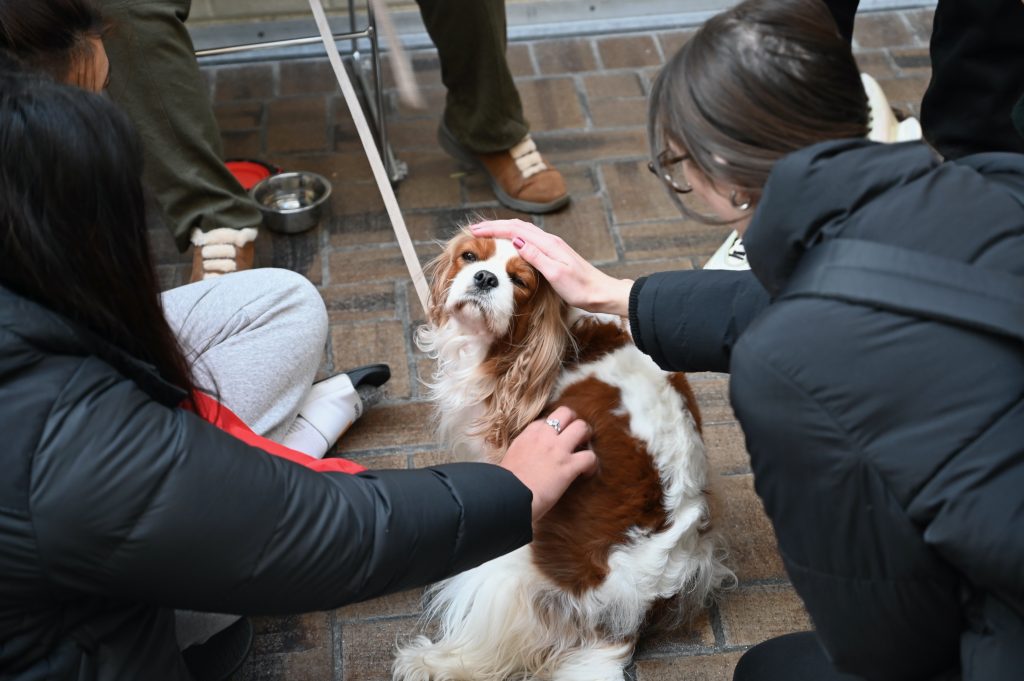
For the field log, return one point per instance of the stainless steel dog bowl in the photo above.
(292, 202)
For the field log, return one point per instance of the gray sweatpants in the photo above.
(255, 340)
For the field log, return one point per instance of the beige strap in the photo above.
(412, 263)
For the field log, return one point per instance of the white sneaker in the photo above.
(331, 407)
(883, 124)
(731, 255)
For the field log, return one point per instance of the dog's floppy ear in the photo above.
(437, 272)
(528, 367)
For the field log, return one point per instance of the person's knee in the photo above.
(792, 657)
(766, 661)
(280, 299)
(300, 300)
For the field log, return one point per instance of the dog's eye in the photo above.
(517, 281)
(469, 256)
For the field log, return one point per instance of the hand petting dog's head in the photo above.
(486, 288)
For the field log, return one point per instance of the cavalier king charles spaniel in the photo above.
(620, 545)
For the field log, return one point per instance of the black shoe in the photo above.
(222, 655)
(374, 375)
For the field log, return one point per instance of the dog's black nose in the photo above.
(485, 280)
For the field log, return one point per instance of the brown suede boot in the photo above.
(221, 251)
(519, 176)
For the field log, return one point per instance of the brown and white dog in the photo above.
(569, 606)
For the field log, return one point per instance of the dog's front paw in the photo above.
(410, 661)
(423, 660)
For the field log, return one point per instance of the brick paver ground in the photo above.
(585, 98)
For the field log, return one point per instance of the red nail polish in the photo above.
(518, 243)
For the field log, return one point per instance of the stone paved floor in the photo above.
(585, 98)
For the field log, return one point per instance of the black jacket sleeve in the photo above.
(130, 499)
(690, 320)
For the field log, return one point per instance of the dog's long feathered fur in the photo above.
(571, 604)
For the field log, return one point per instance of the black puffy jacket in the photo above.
(888, 449)
(116, 507)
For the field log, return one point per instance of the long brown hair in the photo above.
(755, 83)
(73, 231)
(51, 36)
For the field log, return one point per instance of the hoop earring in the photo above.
(739, 206)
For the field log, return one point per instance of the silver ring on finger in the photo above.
(556, 424)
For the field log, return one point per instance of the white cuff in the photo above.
(221, 266)
(219, 251)
(224, 235)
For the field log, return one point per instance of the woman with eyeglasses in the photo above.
(874, 349)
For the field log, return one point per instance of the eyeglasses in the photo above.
(665, 160)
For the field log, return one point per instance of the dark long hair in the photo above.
(51, 36)
(755, 83)
(72, 220)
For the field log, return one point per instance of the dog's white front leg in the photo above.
(597, 662)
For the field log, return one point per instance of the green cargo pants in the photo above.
(482, 109)
(155, 78)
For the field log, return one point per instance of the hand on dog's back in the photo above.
(546, 461)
